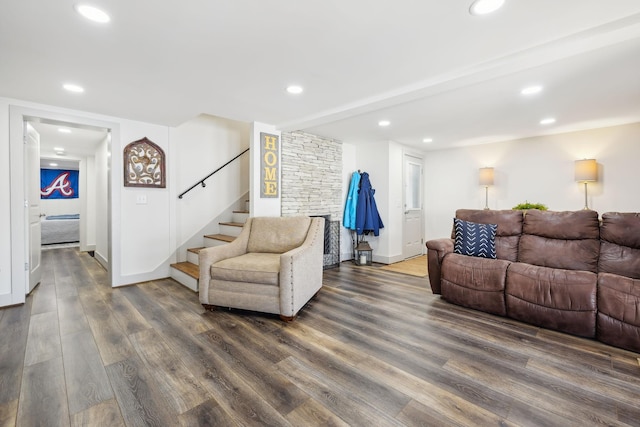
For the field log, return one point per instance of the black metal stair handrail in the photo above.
(201, 182)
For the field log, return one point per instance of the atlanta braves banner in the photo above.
(58, 184)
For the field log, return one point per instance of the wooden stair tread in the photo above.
(232, 224)
(242, 212)
(195, 250)
(188, 269)
(222, 237)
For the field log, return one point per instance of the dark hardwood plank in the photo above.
(141, 404)
(44, 295)
(175, 381)
(14, 330)
(43, 397)
(345, 403)
(234, 395)
(373, 348)
(8, 413)
(87, 382)
(312, 413)
(419, 415)
(44, 339)
(209, 413)
(71, 315)
(111, 340)
(276, 389)
(130, 320)
(103, 414)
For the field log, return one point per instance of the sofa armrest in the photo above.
(436, 251)
(209, 256)
(301, 270)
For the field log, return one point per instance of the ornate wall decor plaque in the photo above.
(144, 165)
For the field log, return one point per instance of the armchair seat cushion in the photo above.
(263, 268)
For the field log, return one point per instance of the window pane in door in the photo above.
(412, 195)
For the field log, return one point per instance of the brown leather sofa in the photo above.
(558, 270)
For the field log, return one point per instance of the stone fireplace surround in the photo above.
(312, 184)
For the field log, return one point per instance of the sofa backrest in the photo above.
(277, 234)
(567, 240)
(620, 244)
(509, 228)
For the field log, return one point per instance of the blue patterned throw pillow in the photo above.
(475, 239)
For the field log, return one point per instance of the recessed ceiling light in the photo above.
(427, 140)
(384, 123)
(295, 90)
(73, 88)
(92, 13)
(58, 149)
(531, 90)
(483, 7)
(547, 121)
(64, 130)
(53, 164)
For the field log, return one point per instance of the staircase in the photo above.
(188, 272)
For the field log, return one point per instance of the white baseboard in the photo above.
(102, 260)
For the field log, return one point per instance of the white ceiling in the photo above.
(77, 143)
(428, 66)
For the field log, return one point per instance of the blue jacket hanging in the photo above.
(367, 216)
(349, 217)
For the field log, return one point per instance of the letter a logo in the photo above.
(61, 184)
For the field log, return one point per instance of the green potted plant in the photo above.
(526, 206)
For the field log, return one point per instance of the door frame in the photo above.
(19, 247)
(418, 156)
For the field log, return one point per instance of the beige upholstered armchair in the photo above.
(273, 266)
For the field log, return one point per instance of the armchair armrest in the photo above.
(436, 251)
(209, 256)
(302, 268)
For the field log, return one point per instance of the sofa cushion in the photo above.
(251, 267)
(565, 240)
(509, 228)
(619, 311)
(620, 245)
(564, 300)
(277, 234)
(474, 282)
(473, 239)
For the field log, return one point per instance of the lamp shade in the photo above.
(586, 170)
(486, 176)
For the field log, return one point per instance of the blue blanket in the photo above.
(68, 216)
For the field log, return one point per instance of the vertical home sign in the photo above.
(269, 153)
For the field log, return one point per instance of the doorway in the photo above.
(22, 191)
(413, 209)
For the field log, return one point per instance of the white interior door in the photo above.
(412, 227)
(32, 182)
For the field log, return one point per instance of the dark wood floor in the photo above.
(375, 348)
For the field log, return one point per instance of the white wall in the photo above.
(142, 236)
(383, 161)
(88, 203)
(539, 170)
(147, 230)
(378, 160)
(349, 165)
(60, 206)
(5, 207)
(202, 145)
(101, 202)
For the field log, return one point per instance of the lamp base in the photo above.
(486, 198)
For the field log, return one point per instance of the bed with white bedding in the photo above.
(60, 229)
